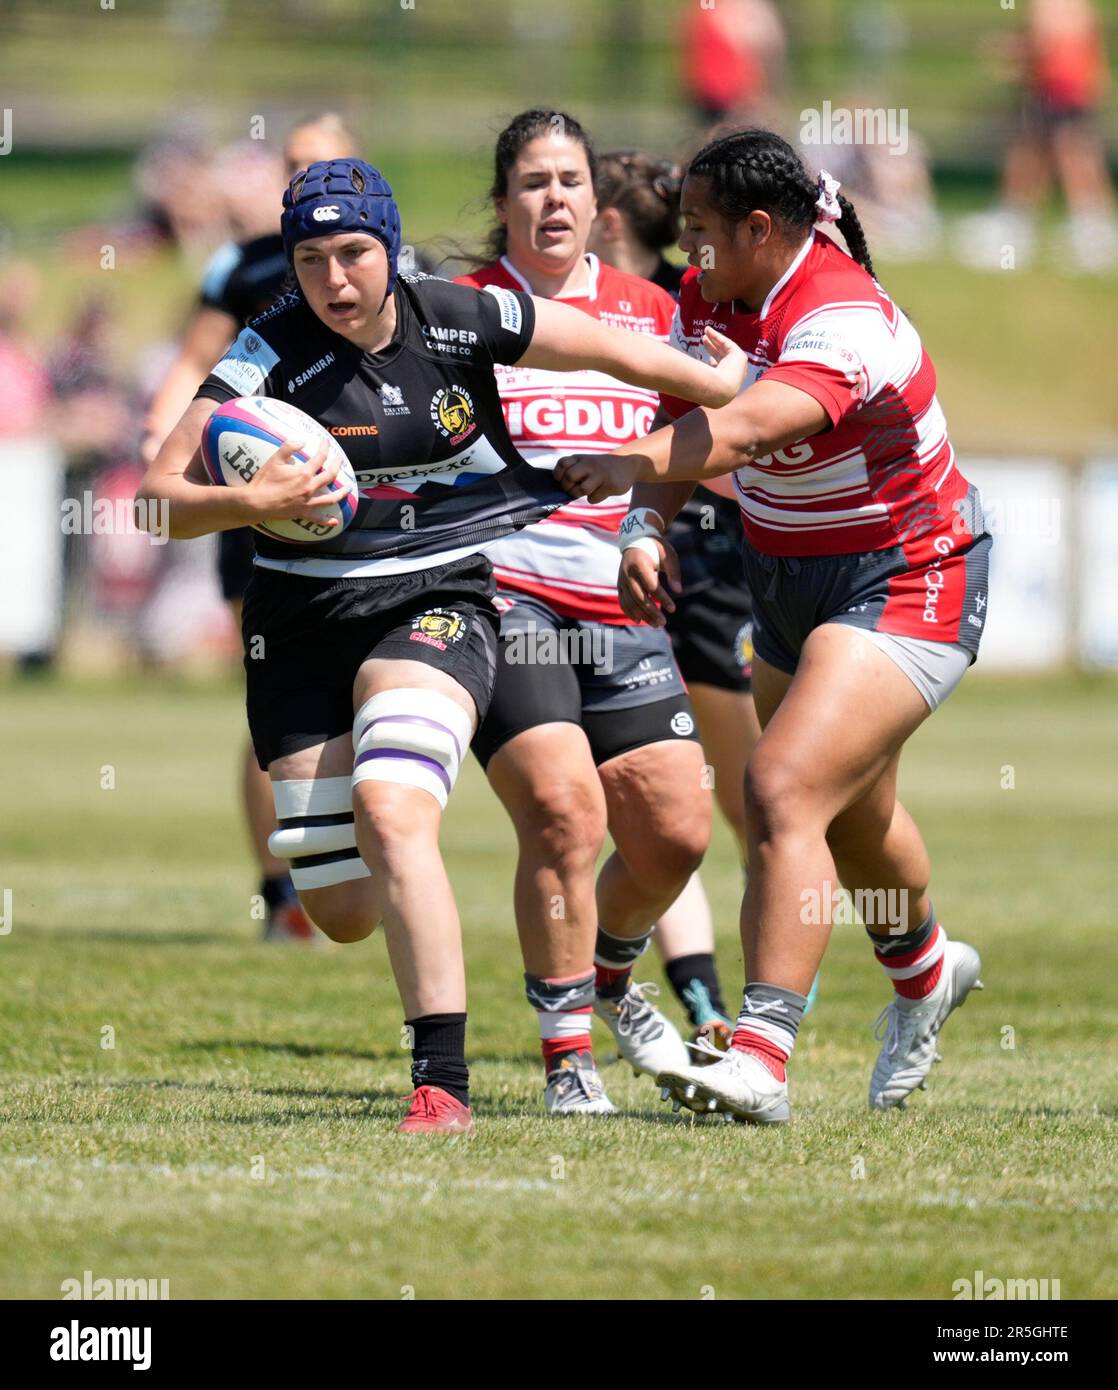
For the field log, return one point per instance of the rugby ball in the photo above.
(242, 434)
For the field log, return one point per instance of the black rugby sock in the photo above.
(278, 890)
(439, 1054)
(684, 973)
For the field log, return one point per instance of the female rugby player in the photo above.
(370, 653)
(867, 562)
(590, 727)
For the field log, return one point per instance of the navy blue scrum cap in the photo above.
(341, 195)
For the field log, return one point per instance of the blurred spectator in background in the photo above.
(24, 380)
(180, 203)
(733, 57)
(891, 184)
(95, 420)
(179, 209)
(638, 216)
(1060, 63)
(30, 480)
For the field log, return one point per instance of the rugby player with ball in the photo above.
(370, 648)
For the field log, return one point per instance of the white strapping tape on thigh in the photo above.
(414, 737)
(321, 855)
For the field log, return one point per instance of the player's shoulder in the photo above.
(439, 301)
(220, 269)
(836, 285)
(632, 296)
(286, 324)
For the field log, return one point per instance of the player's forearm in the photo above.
(634, 358)
(191, 509)
(711, 443)
(566, 340)
(695, 447)
(667, 499)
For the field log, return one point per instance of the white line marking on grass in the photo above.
(646, 1194)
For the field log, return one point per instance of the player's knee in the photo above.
(776, 799)
(392, 829)
(662, 858)
(565, 825)
(344, 916)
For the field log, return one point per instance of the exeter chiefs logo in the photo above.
(743, 648)
(452, 413)
(438, 627)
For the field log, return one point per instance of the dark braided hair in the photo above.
(757, 171)
(646, 191)
(521, 131)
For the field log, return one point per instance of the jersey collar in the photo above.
(787, 277)
(592, 264)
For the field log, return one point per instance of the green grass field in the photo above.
(237, 1138)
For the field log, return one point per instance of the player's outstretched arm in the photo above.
(565, 340)
(703, 444)
(280, 490)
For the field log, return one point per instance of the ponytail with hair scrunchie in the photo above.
(827, 204)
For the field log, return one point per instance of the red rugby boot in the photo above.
(433, 1109)
(288, 922)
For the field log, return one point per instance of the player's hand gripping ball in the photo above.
(241, 435)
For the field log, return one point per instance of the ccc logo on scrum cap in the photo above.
(330, 213)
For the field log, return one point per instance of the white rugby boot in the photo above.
(575, 1090)
(909, 1028)
(736, 1083)
(647, 1040)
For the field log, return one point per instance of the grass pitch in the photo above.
(182, 1102)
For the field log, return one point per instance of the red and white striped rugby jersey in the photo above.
(884, 474)
(570, 560)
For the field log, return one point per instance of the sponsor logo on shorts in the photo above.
(452, 413)
(650, 671)
(934, 580)
(438, 627)
(682, 724)
(743, 648)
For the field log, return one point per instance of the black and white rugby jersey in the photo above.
(421, 423)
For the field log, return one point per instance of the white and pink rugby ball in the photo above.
(242, 434)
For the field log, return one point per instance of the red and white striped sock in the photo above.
(914, 966)
(767, 1025)
(564, 1006)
